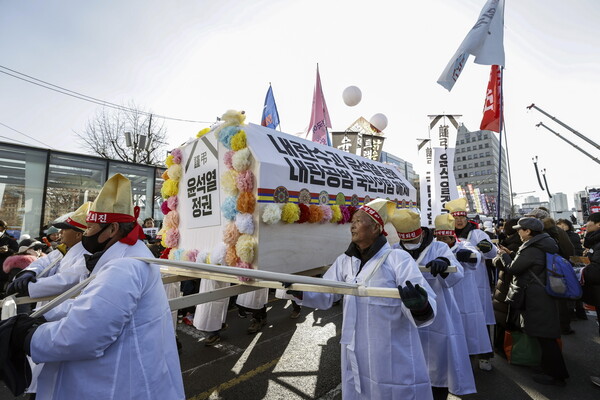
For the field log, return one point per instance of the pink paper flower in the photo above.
(173, 202)
(172, 239)
(177, 155)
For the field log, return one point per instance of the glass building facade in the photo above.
(39, 185)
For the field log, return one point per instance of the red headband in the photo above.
(410, 235)
(459, 214)
(105, 218)
(75, 223)
(444, 233)
(375, 215)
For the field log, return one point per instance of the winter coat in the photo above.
(539, 314)
(576, 242)
(591, 273)
(512, 242)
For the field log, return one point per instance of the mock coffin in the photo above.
(268, 200)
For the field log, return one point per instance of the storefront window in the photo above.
(22, 173)
(72, 180)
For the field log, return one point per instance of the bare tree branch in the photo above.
(104, 135)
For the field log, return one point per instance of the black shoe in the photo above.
(212, 339)
(242, 313)
(548, 380)
(256, 325)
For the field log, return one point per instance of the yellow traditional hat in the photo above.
(407, 224)
(444, 225)
(76, 220)
(380, 210)
(457, 207)
(115, 204)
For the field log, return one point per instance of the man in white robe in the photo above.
(469, 232)
(117, 340)
(382, 357)
(444, 342)
(465, 291)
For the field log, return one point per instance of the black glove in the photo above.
(438, 266)
(413, 297)
(484, 246)
(296, 293)
(20, 283)
(22, 330)
(464, 255)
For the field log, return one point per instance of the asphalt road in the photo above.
(300, 359)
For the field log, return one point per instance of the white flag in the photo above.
(485, 41)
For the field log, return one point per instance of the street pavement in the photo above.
(300, 359)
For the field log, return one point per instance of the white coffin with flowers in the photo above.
(277, 202)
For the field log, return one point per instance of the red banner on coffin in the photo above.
(493, 98)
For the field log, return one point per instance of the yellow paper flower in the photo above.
(175, 172)
(169, 160)
(290, 213)
(169, 188)
(238, 141)
(245, 248)
(229, 182)
(203, 132)
(337, 214)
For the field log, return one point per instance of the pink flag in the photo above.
(319, 118)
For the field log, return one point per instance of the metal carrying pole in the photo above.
(571, 143)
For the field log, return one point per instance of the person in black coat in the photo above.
(591, 273)
(567, 226)
(536, 314)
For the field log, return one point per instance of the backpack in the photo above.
(561, 280)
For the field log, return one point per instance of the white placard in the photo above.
(199, 186)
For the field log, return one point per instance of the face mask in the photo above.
(411, 246)
(91, 243)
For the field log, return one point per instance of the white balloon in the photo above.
(352, 96)
(379, 121)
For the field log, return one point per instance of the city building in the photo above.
(476, 171)
(405, 168)
(559, 208)
(532, 202)
(39, 185)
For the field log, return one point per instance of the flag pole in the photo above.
(501, 128)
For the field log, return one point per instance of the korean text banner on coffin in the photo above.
(295, 165)
(198, 191)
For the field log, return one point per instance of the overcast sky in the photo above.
(197, 59)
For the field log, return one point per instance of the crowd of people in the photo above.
(478, 279)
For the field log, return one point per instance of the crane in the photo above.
(571, 143)
(564, 125)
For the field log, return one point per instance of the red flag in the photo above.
(319, 119)
(493, 98)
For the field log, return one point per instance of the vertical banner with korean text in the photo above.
(199, 187)
(443, 182)
(425, 162)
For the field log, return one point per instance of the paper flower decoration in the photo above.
(231, 234)
(165, 175)
(169, 188)
(164, 207)
(241, 160)
(202, 257)
(245, 181)
(245, 248)
(245, 223)
(175, 172)
(190, 255)
(226, 135)
(171, 220)
(316, 214)
(337, 214)
(202, 132)
(327, 213)
(169, 160)
(227, 159)
(173, 202)
(231, 258)
(238, 141)
(229, 207)
(246, 203)
(172, 238)
(304, 213)
(229, 182)
(271, 214)
(177, 155)
(244, 265)
(290, 213)
(218, 254)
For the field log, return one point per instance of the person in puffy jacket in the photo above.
(533, 310)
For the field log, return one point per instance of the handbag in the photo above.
(522, 349)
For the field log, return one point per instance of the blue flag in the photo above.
(270, 117)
